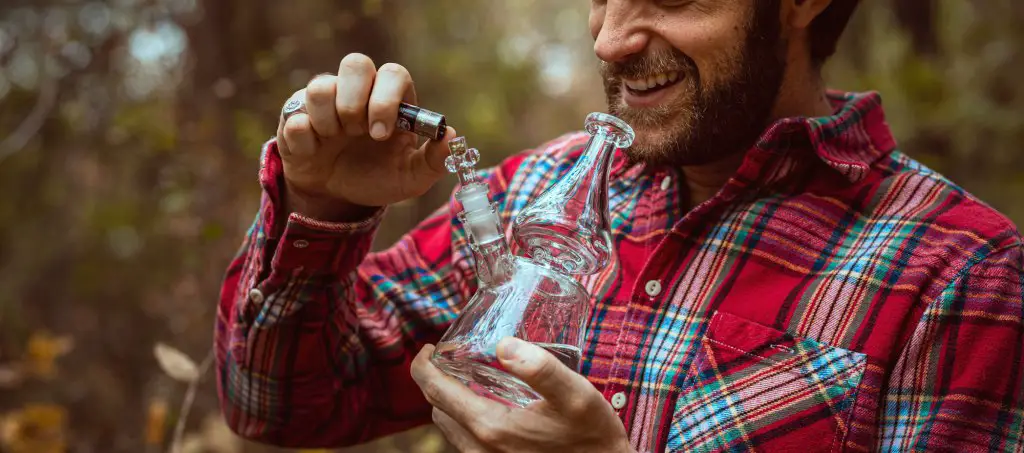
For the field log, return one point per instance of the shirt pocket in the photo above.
(754, 388)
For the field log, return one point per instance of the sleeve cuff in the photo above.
(307, 245)
(312, 246)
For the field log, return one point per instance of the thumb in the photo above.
(543, 372)
(430, 157)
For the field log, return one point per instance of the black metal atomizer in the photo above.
(421, 121)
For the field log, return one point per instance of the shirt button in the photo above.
(665, 183)
(653, 288)
(256, 296)
(300, 244)
(619, 400)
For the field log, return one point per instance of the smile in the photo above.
(650, 91)
(653, 82)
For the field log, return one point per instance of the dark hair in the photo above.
(828, 27)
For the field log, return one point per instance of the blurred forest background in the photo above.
(130, 130)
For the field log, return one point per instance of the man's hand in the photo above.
(343, 156)
(573, 416)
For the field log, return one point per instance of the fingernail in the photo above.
(529, 353)
(379, 130)
(508, 347)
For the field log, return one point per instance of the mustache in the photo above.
(641, 66)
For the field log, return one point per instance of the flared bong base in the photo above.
(483, 374)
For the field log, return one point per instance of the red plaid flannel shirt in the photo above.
(835, 295)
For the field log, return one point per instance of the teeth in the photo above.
(653, 81)
(637, 85)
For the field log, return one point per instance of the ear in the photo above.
(799, 14)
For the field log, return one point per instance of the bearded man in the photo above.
(786, 279)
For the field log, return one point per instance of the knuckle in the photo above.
(395, 69)
(357, 62)
(489, 432)
(321, 89)
(346, 110)
(432, 392)
(546, 369)
(577, 406)
(297, 124)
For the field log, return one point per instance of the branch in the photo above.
(186, 405)
(32, 122)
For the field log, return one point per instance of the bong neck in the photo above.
(493, 262)
(593, 167)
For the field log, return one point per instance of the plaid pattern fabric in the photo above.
(835, 295)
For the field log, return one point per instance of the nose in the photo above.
(621, 33)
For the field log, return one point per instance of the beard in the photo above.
(705, 122)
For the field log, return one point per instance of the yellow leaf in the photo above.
(156, 420)
(431, 442)
(37, 428)
(175, 363)
(42, 352)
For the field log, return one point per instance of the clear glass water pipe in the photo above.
(564, 233)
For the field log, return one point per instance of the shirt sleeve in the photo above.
(315, 335)
(958, 385)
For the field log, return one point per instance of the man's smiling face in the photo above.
(696, 79)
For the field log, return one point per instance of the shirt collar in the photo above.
(850, 140)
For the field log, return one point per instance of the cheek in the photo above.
(710, 40)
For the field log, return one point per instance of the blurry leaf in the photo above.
(42, 352)
(156, 421)
(218, 437)
(175, 363)
(11, 376)
(431, 442)
(37, 428)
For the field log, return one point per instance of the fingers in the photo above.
(320, 95)
(355, 80)
(392, 85)
(458, 436)
(562, 387)
(449, 395)
(299, 138)
(429, 158)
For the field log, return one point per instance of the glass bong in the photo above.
(564, 233)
